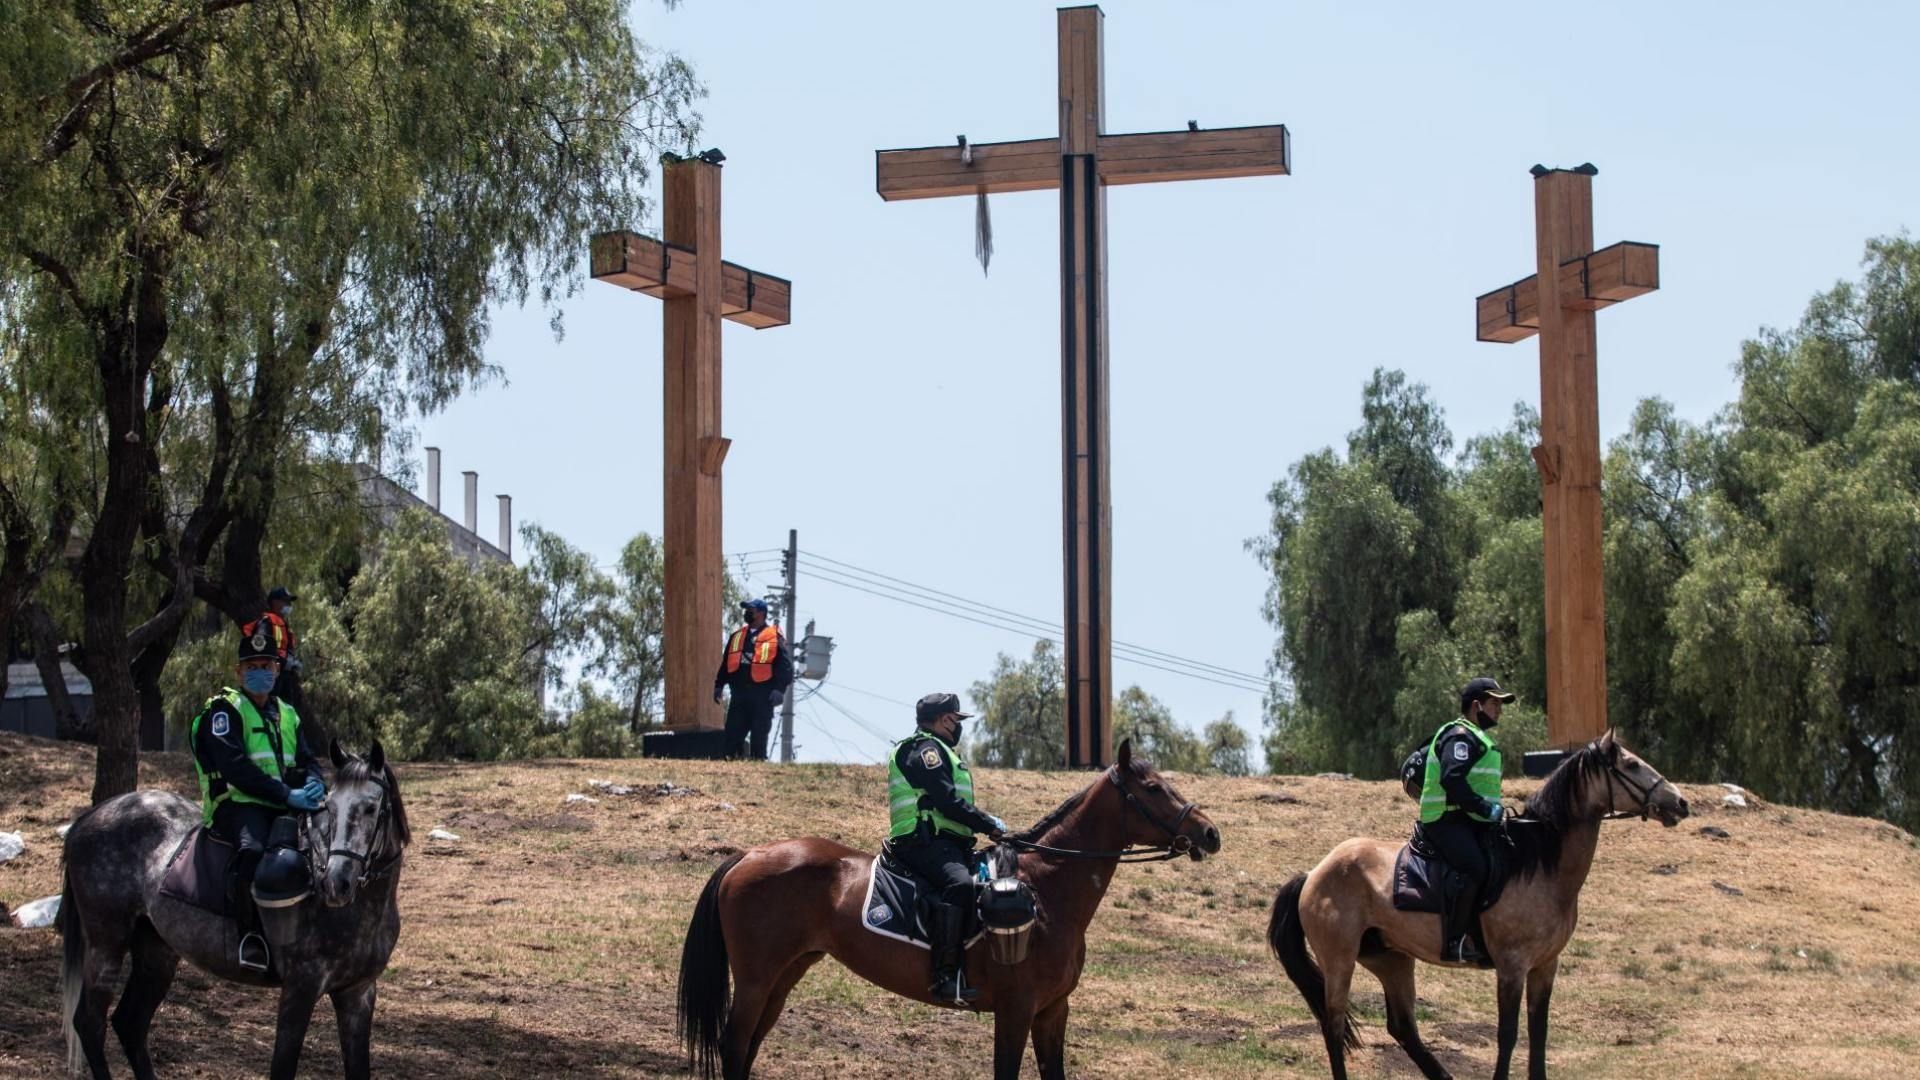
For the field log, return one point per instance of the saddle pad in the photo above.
(197, 872)
(893, 907)
(1419, 877)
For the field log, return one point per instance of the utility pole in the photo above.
(786, 704)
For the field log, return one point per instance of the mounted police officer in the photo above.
(930, 797)
(758, 666)
(1460, 806)
(254, 765)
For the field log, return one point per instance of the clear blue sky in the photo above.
(908, 420)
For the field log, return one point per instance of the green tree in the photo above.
(1226, 747)
(439, 665)
(1145, 719)
(238, 219)
(1022, 709)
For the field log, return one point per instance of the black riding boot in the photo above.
(253, 954)
(949, 923)
(1462, 916)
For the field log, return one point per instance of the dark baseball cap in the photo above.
(280, 593)
(1479, 689)
(934, 706)
(754, 604)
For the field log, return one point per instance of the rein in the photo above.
(1176, 845)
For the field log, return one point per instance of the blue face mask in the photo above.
(258, 680)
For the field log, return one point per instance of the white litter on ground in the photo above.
(442, 834)
(11, 845)
(576, 797)
(38, 914)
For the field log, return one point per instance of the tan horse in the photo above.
(768, 915)
(1344, 910)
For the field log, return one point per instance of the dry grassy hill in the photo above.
(545, 942)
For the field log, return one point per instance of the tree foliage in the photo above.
(1762, 570)
(240, 233)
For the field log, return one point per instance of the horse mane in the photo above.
(1553, 810)
(1139, 767)
(359, 770)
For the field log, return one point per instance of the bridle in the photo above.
(370, 869)
(1177, 844)
(1644, 794)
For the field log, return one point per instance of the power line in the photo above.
(1143, 654)
(1239, 681)
(861, 724)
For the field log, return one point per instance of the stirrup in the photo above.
(954, 991)
(258, 958)
(1465, 951)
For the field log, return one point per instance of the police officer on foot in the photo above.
(758, 666)
(1460, 806)
(254, 765)
(930, 799)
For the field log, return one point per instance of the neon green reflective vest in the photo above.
(1484, 777)
(903, 799)
(269, 748)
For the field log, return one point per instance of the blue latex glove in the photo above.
(716, 696)
(999, 827)
(1497, 814)
(304, 799)
(316, 787)
(779, 696)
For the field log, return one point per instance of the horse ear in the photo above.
(1126, 753)
(377, 757)
(1611, 745)
(338, 755)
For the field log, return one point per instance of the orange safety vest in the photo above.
(766, 645)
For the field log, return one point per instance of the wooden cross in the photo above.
(1081, 163)
(684, 270)
(1558, 303)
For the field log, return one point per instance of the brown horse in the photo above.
(1344, 909)
(769, 914)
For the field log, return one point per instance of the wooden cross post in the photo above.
(1081, 163)
(1558, 302)
(684, 270)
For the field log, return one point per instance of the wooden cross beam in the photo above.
(1080, 164)
(1557, 302)
(684, 270)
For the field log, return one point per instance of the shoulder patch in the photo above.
(221, 724)
(931, 757)
(1460, 751)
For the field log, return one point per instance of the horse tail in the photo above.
(73, 972)
(705, 992)
(1288, 940)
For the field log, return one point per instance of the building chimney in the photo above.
(433, 477)
(506, 524)
(473, 501)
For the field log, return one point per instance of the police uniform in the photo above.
(1459, 800)
(933, 820)
(243, 755)
(757, 664)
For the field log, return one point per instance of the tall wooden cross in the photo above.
(1081, 162)
(1573, 281)
(684, 270)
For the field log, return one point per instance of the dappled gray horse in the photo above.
(112, 908)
